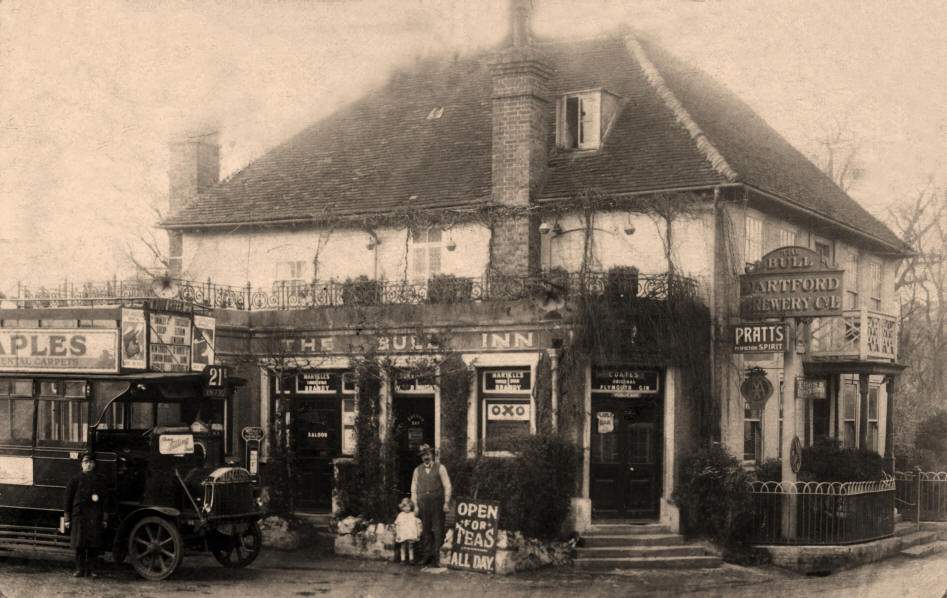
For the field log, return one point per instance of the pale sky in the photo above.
(91, 92)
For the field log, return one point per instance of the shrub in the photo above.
(714, 496)
(931, 442)
(447, 288)
(534, 488)
(826, 461)
(770, 470)
(360, 291)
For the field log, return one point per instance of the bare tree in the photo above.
(921, 283)
(839, 154)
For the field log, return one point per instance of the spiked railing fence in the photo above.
(300, 295)
(822, 513)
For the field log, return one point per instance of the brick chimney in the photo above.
(193, 167)
(520, 135)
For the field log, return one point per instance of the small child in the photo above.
(407, 530)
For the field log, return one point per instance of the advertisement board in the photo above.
(504, 381)
(134, 341)
(759, 338)
(475, 534)
(73, 350)
(624, 382)
(790, 282)
(170, 345)
(202, 347)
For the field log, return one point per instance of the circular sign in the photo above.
(251, 433)
(756, 388)
(795, 454)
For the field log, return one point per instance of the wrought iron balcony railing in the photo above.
(857, 334)
(360, 292)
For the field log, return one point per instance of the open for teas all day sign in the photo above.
(475, 536)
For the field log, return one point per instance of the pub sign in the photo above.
(791, 282)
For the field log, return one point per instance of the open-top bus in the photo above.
(158, 439)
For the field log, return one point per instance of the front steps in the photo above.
(632, 545)
(916, 542)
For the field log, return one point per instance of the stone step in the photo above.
(624, 528)
(917, 538)
(922, 550)
(659, 562)
(904, 528)
(643, 551)
(633, 540)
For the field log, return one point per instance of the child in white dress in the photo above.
(407, 530)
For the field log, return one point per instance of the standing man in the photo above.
(86, 516)
(430, 492)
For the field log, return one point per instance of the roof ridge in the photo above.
(681, 114)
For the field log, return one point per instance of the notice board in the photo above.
(475, 536)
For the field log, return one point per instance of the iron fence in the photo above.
(922, 495)
(291, 295)
(822, 513)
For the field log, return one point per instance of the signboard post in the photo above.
(475, 536)
(253, 436)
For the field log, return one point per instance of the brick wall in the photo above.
(520, 155)
(194, 166)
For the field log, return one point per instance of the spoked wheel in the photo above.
(239, 549)
(155, 548)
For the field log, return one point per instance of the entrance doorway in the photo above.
(626, 455)
(413, 426)
(317, 440)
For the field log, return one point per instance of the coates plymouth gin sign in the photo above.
(90, 350)
(790, 282)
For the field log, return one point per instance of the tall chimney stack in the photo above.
(193, 167)
(520, 136)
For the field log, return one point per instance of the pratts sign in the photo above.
(790, 282)
(759, 338)
(59, 350)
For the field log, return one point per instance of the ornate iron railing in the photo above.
(922, 495)
(842, 337)
(822, 513)
(360, 292)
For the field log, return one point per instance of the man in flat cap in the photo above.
(430, 492)
(86, 516)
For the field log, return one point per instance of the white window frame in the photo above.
(876, 282)
(852, 280)
(291, 274)
(424, 246)
(588, 126)
(749, 418)
(753, 246)
(787, 237)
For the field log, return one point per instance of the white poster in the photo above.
(134, 345)
(202, 347)
(16, 470)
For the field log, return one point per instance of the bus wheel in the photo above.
(239, 549)
(155, 548)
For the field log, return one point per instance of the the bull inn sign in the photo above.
(790, 282)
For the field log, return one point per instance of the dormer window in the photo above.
(583, 118)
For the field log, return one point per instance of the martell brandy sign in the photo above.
(791, 282)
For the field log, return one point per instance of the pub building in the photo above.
(477, 201)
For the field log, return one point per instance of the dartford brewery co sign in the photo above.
(790, 282)
(88, 350)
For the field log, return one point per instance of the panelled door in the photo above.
(413, 426)
(317, 438)
(625, 476)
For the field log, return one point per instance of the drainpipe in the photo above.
(554, 387)
(715, 248)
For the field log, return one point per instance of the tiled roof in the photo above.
(678, 129)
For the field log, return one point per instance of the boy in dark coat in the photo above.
(86, 516)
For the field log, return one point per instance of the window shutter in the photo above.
(591, 121)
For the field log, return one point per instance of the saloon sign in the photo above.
(791, 282)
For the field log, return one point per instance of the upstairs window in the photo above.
(787, 237)
(291, 274)
(754, 240)
(824, 249)
(426, 246)
(874, 275)
(851, 280)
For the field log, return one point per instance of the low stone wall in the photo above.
(376, 541)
